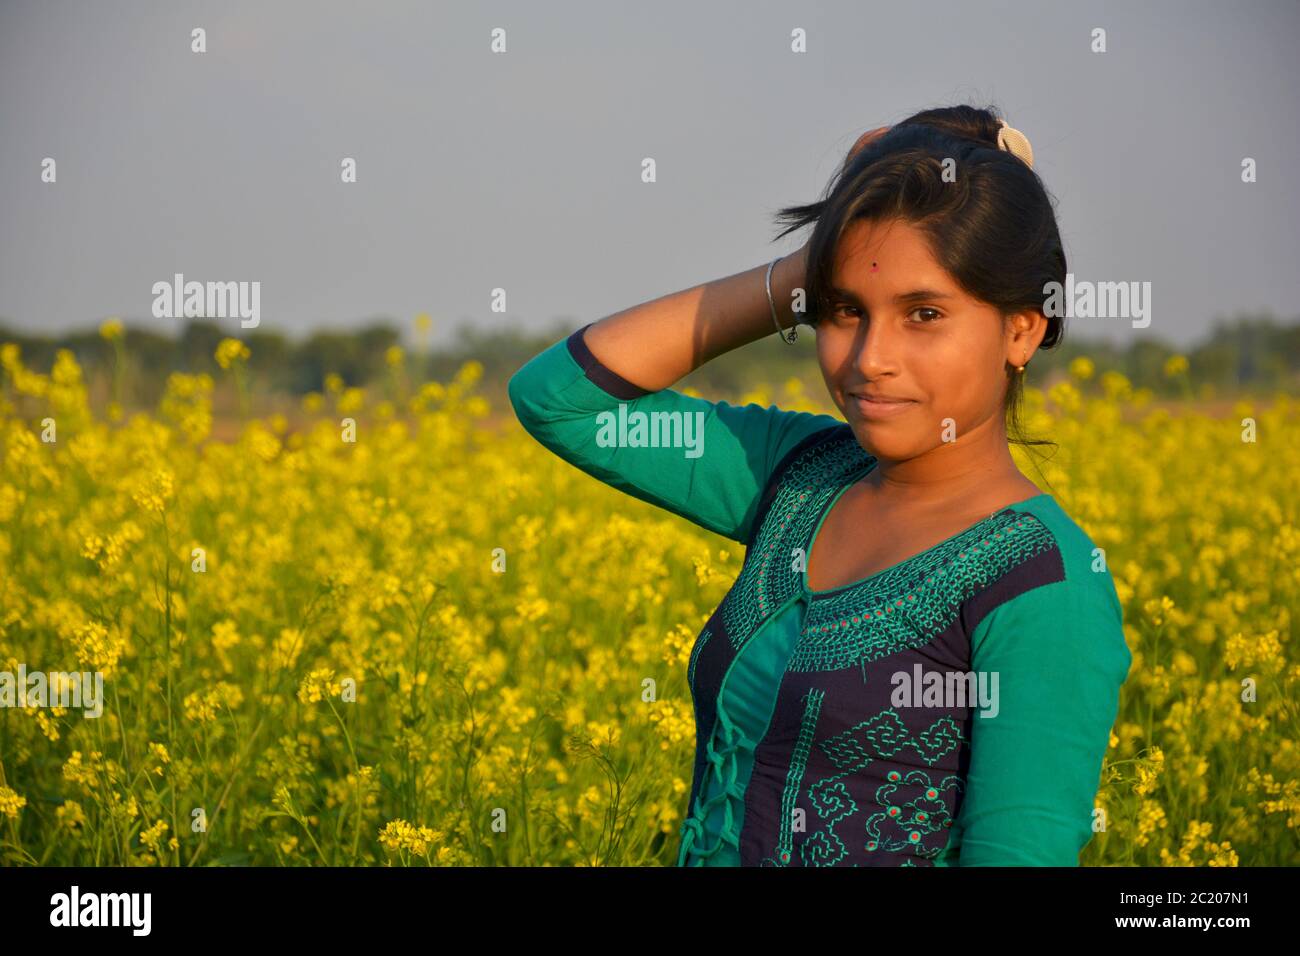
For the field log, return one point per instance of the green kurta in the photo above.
(809, 752)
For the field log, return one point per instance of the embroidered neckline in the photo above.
(946, 543)
(903, 605)
(908, 604)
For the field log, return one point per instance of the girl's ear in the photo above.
(1025, 330)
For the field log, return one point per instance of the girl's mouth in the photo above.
(880, 409)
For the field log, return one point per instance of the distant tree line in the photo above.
(1244, 354)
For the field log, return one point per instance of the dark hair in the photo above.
(993, 228)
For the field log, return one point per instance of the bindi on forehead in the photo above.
(874, 267)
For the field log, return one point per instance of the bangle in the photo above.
(794, 331)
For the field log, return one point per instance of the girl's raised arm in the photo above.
(656, 344)
(600, 400)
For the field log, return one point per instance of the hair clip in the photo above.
(1015, 142)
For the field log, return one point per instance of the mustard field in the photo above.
(402, 633)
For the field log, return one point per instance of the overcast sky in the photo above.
(522, 170)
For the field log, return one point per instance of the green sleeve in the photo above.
(1060, 656)
(559, 397)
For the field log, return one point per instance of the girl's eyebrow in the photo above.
(915, 295)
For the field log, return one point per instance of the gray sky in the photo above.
(522, 170)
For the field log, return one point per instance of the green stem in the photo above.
(356, 767)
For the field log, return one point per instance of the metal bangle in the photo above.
(794, 331)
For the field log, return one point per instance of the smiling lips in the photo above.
(880, 407)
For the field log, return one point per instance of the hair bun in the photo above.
(1015, 142)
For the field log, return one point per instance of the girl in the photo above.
(920, 660)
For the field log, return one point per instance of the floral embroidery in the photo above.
(910, 813)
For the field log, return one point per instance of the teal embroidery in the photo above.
(902, 607)
(767, 580)
(904, 826)
(908, 605)
(885, 735)
(823, 848)
(889, 825)
(794, 774)
(695, 655)
(831, 799)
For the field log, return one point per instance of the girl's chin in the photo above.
(876, 442)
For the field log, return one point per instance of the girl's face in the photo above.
(902, 330)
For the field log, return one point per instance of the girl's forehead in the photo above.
(890, 259)
(873, 240)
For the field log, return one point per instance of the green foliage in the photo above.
(1244, 355)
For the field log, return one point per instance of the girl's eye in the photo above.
(846, 311)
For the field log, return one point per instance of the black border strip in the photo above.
(1044, 568)
(601, 375)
